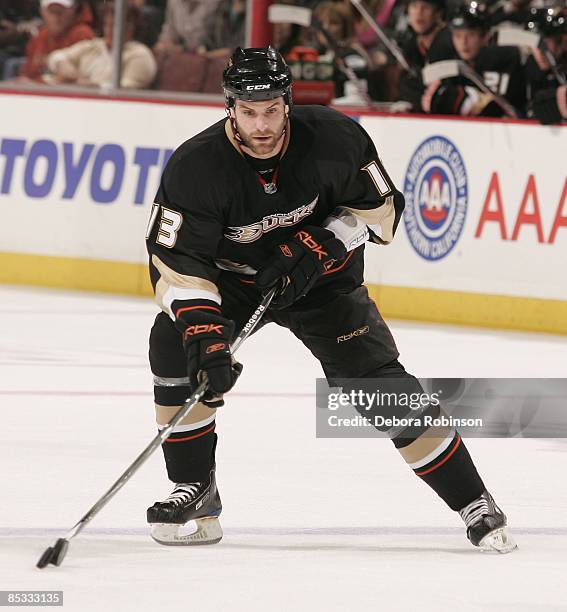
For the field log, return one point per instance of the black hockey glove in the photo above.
(544, 106)
(206, 339)
(300, 262)
(448, 100)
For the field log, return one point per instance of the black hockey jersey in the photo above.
(211, 212)
(539, 79)
(501, 69)
(411, 86)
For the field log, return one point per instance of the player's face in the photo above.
(468, 43)
(422, 16)
(261, 125)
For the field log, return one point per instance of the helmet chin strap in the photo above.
(233, 125)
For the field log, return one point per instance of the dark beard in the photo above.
(244, 142)
(255, 148)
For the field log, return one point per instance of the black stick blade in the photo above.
(54, 555)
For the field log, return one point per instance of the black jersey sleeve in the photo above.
(370, 193)
(184, 233)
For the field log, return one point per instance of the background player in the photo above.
(500, 68)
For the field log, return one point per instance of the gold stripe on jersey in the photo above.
(383, 215)
(171, 278)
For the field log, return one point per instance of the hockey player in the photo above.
(277, 193)
(508, 12)
(546, 68)
(550, 105)
(501, 69)
(427, 40)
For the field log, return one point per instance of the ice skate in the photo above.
(486, 525)
(194, 501)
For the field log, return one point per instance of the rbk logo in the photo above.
(307, 239)
(354, 334)
(207, 328)
(215, 347)
(286, 250)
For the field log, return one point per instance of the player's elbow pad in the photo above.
(347, 227)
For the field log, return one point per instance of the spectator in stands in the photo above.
(385, 14)
(192, 57)
(500, 68)
(66, 22)
(286, 36)
(339, 44)
(227, 29)
(187, 26)
(383, 71)
(19, 20)
(89, 62)
(427, 40)
(153, 13)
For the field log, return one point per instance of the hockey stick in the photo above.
(341, 63)
(386, 41)
(520, 38)
(451, 68)
(55, 554)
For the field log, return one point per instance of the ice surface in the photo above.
(309, 524)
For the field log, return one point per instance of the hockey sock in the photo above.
(445, 465)
(189, 456)
(436, 454)
(189, 449)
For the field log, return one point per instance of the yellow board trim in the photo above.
(471, 309)
(432, 305)
(75, 273)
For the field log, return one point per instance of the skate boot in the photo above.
(486, 525)
(193, 501)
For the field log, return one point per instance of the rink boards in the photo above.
(483, 240)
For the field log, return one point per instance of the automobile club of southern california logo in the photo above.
(436, 194)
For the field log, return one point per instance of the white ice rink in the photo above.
(309, 524)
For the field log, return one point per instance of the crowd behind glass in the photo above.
(495, 59)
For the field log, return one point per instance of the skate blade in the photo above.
(498, 541)
(209, 531)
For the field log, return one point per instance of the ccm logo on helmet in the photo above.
(257, 87)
